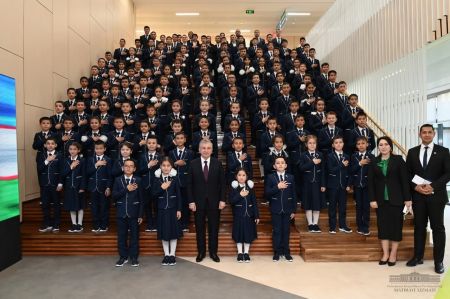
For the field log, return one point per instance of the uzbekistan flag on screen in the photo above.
(9, 184)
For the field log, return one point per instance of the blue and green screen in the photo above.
(9, 182)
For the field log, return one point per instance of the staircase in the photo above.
(312, 247)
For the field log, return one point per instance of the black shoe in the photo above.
(317, 229)
(310, 228)
(55, 229)
(214, 257)
(414, 262)
(134, 263)
(439, 268)
(165, 261)
(73, 228)
(240, 258)
(172, 260)
(79, 228)
(121, 262)
(332, 231)
(381, 262)
(246, 258)
(390, 264)
(288, 258)
(200, 257)
(276, 257)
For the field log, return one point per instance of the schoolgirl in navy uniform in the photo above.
(245, 214)
(166, 190)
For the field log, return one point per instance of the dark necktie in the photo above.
(361, 156)
(98, 158)
(58, 117)
(205, 171)
(180, 153)
(127, 181)
(238, 155)
(150, 157)
(340, 157)
(165, 180)
(312, 155)
(425, 158)
(281, 178)
(353, 110)
(331, 132)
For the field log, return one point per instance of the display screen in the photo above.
(9, 181)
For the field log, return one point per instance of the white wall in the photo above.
(378, 47)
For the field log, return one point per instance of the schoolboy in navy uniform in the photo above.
(43, 135)
(237, 159)
(182, 157)
(116, 137)
(359, 168)
(235, 114)
(70, 104)
(99, 182)
(337, 165)
(121, 53)
(204, 133)
(148, 164)
(327, 134)
(228, 137)
(295, 146)
(280, 189)
(316, 120)
(169, 142)
(95, 80)
(83, 93)
(89, 138)
(67, 136)
(287, 121)
(128, 195)
(58, 118)
(362, 130)
(49, 164)
(81, 118)
(339, 101)
(283, 101)
(106, 119)
(259, 121)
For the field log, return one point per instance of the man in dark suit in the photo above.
(145, 37)
(206, 193)
(121, 53)
(432, 163)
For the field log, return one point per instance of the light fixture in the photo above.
(187, 14)
(298, 13)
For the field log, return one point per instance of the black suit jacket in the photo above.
(396, 180)
(206, 195)
(437, 171)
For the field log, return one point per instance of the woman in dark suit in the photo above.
(388, 193)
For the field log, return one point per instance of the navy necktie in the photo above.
(425, 158)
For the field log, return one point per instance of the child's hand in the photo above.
(302, 138)
(243, 157)
(257, 221)
(81, 191)
(152, 163)
(222, 205)
(74, 164)
(59, 187)
(107, 192)
(374, 205)
(139, 220)
(244, 192)
(120, 139)
(95, 138)
(178, 215)
(72, 108)
(58, 126)
(292, 215)
(165, 185)
(139, 105)
(323, 189)
(93, 107)
(348, 189)
(51, 158)
(100, 163)
(345, 162)
(364, 161)
(130, 122)
(132, 187)
(260, 92)
(180, 163)
(317, 161)
(157, 105)
(282, 185)
(117, 105)
(142, 142)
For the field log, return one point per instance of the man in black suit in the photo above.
(206, 193)
(145, 37)
(121, 53)
(432, 163)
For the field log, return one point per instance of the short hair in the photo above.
(51, 138)
(388, 140)
(238, 138)
(361, 113)
(426, 126)
(362, 138)
(59, 102)
(337, 137)
(44, 118)
(100, 142)
(332, 72)
(76, 144)
(127, 144)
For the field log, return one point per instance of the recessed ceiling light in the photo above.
(293, 23)
(298, 13)
(187, 14)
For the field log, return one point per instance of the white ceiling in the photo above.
(222, 16)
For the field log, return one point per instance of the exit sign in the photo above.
(250, 11)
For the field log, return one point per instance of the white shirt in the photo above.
(282, 174)
(207, 162)
(128, 178)
(429, 152)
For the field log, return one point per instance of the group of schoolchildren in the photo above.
(129, 132)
